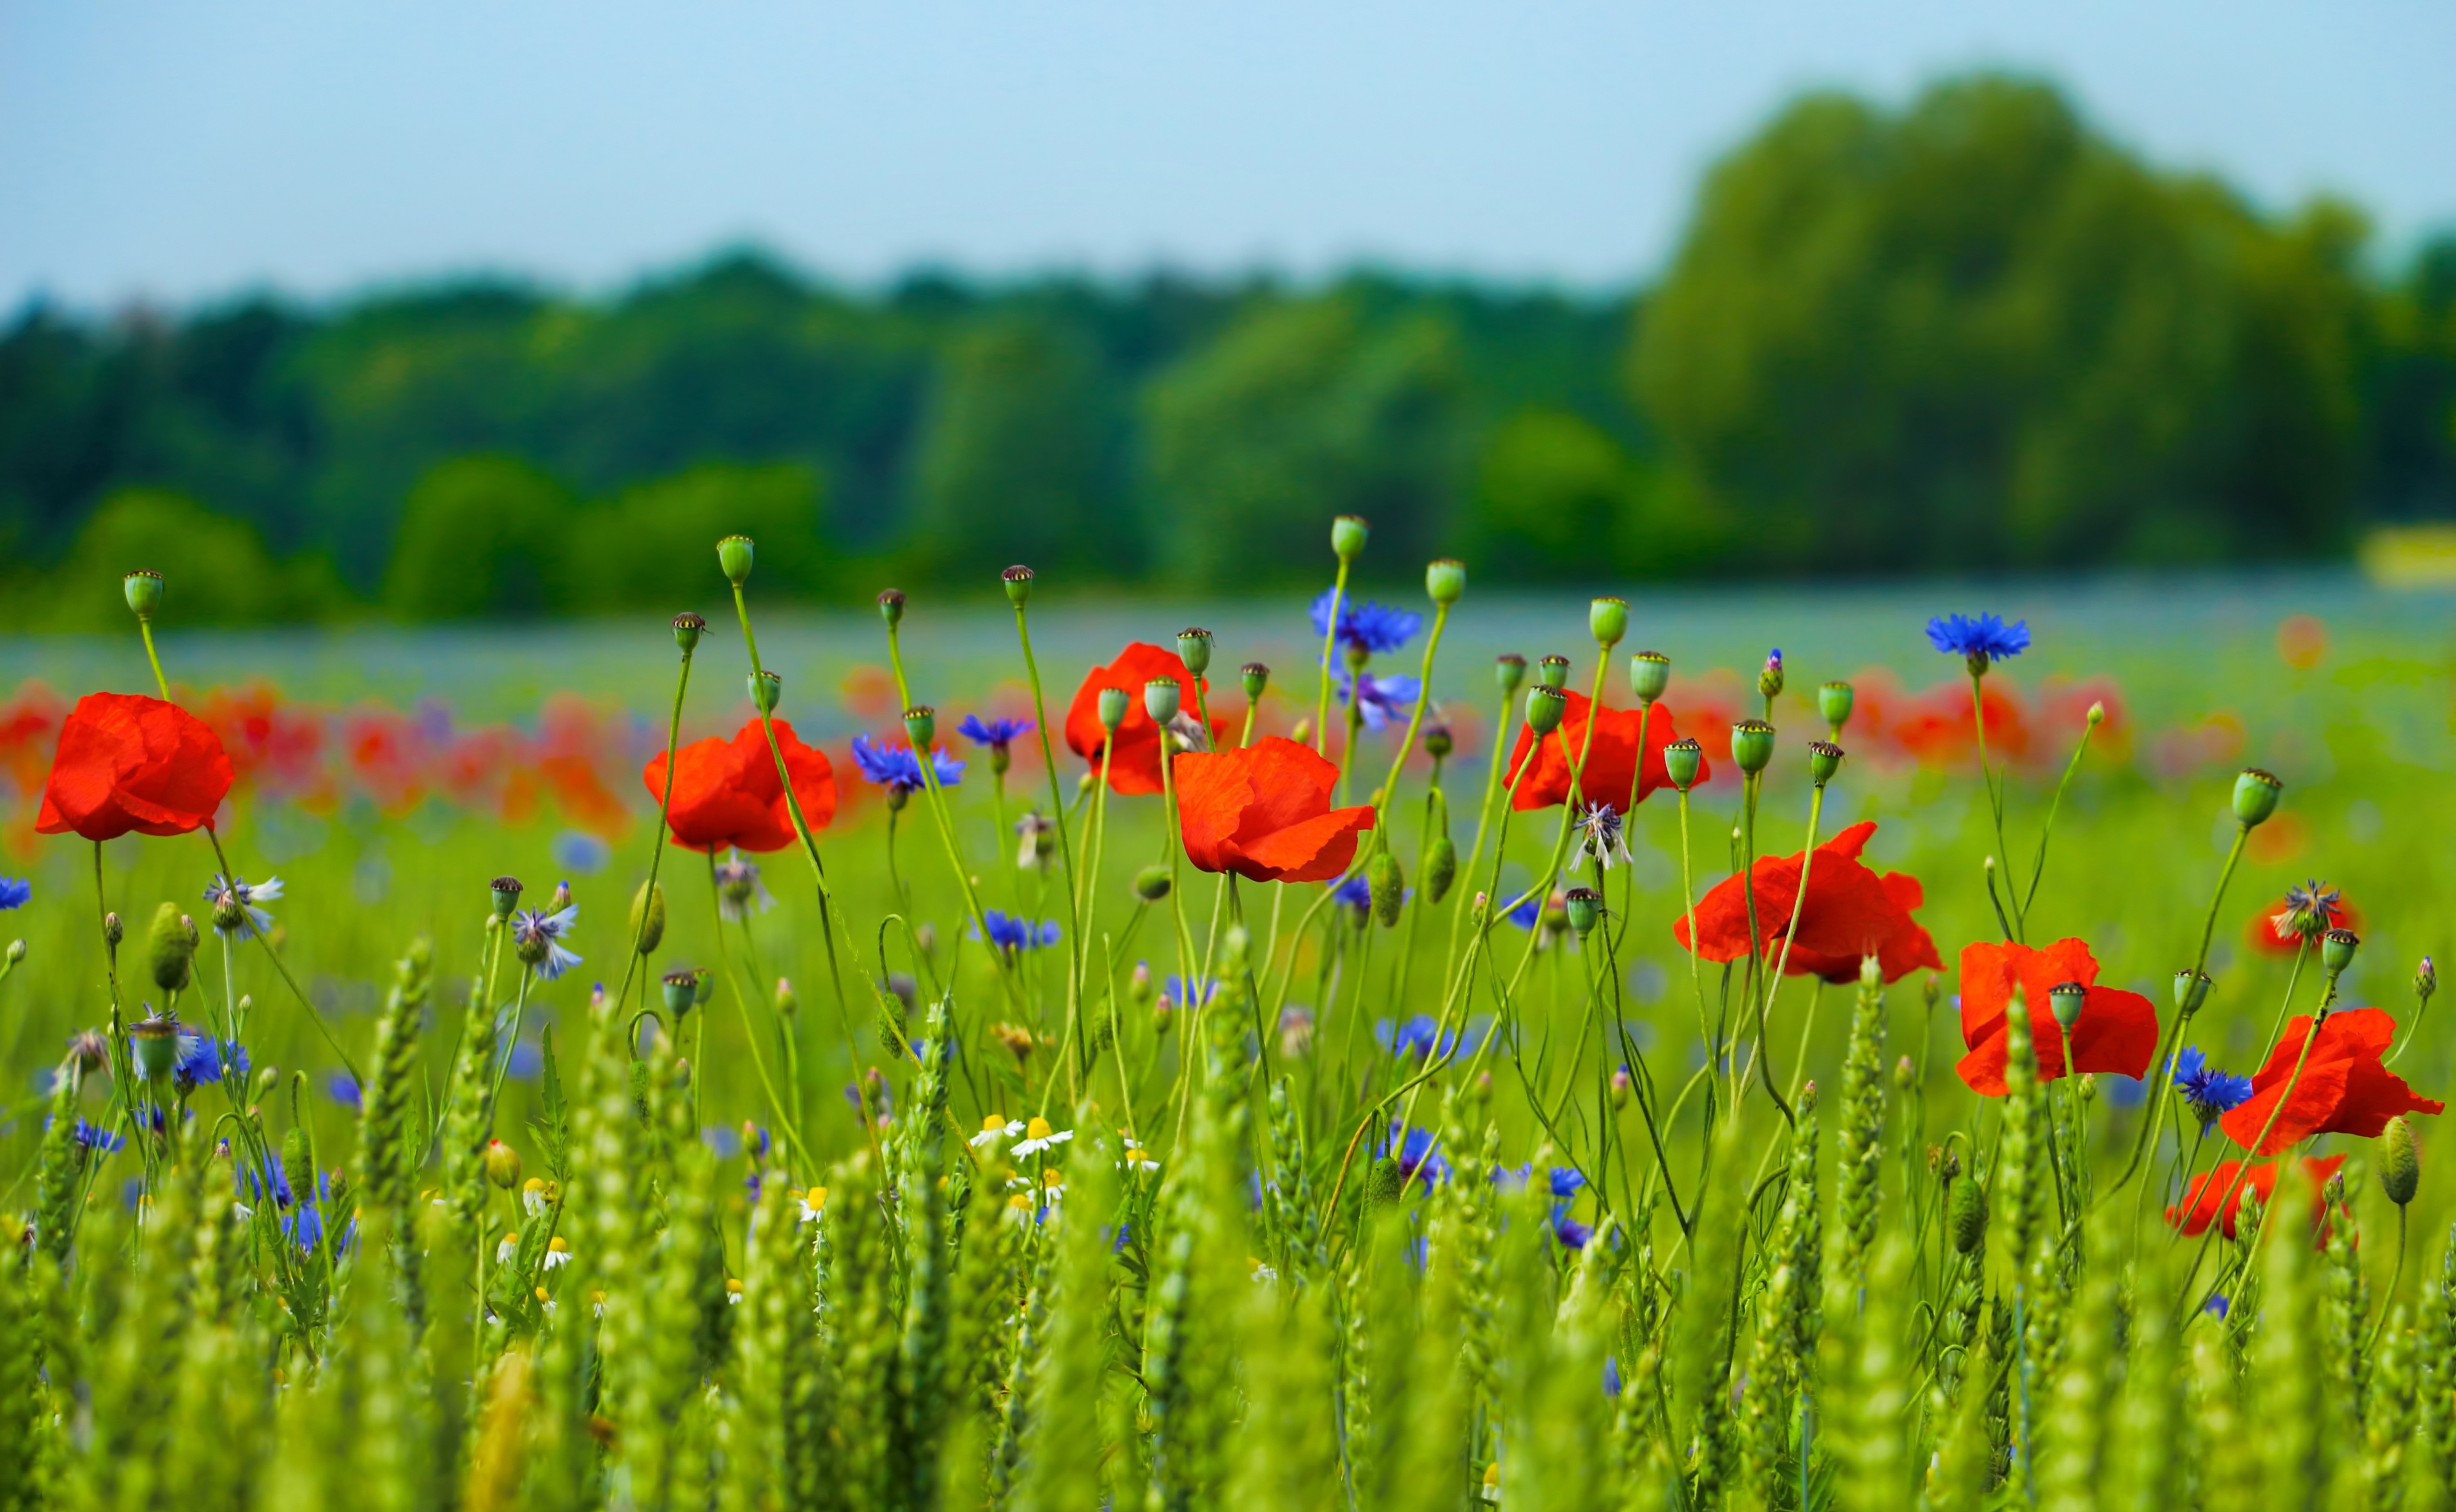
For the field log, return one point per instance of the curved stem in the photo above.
(665, 806)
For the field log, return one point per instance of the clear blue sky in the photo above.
(172, 150)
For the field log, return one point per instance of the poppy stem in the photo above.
(145, 627)
(1482, 820)
(2252, 1153)
(665, 806)
(2293, 978)
(2396, 1278)
(1074, 896)
(512, 1042)
(1762, 1054)
(1329, 640)
(2175, 1039)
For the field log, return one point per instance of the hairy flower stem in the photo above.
(665, 806)
(1081, 972)
(1501, 748)
(1329, 643)
(2243, 1173)
(1987, 775)
(1056, 799)
(2046, 832)
(2165, 1081)
(1760, 1054)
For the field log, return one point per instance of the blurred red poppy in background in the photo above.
(725, 792)
(127, 762)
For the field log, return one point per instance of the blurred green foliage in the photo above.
(1967, 333)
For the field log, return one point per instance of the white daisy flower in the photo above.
(994, 1128)
(1039, 1136)
(557, 1253)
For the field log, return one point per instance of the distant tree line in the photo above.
(1970, 333)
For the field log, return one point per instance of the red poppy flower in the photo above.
(127, 762)
(2118, 1031)
(1850, 913)
(1264, 812)
(2202, 1198)
(1134, 768)
(725, 792)
(1611, 761)
(2271, 932)
(2343, 1089)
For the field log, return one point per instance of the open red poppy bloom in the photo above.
(127, 762)
(1850, 913)
(2344, 1087)
(2118, 1031)
(2200, 1200)
(1264, 812)
(1611, 761)
(2271, 930)
(1135, 767)
(725, 791)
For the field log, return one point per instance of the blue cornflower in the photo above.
(230, 899)
(14, 892)
(523, 1061)
(1356, 894)
(537, 939)
(1566, 1182)
(2207, 1091)
(1611, 1376)
(997, 734)
(343, 1089)
(92, 1136)
(1380, 700)
(1011, 932)
(724, 1138)
(1418, 1153)
(2217, 1304)
(270, 1181)
(578, 851)
(203, 1058)
(1368, 628)
(1419, 1035)
(1526, 913)
(1573, 1234)
(895, 768)
(1179, 994)
(1980, 637)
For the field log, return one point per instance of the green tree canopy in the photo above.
(216, 569)
(1011, 461)
(654, 546)
(482, 537)
(1975, 334)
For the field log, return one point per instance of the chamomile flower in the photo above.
(557, 1253)
(1038, 1136)
(535, 1199)
(994, 1128)
(506, 1248)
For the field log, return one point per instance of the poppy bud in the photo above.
(2400, 1167)
(1586, 906)
(1824, 760)
(1441, 869)
(1018, 583)
(1509, 670)
(733, 554)
(1833, 701)
(143, 590)
(681, 986)
(1254, 677)
(1347, 535)
(921, 726)
(1607, 622)
(1650, 673)
(295, 1167)
(1139, 983)
(1389, 888)
(2336, 949)
(890, 606)
(1968, 1216)
(2068, 999)
(1193, 649)
(1546, 706)
(2425, 976)
(2191, 991)
(766, 689)
(1163, 1014)
(1680, 760)
(113, 929)
(1553, 671)
(688, 627)
(1439, 742)
(1753, 744)
(787, 1001)
(1161, 699)
(169, 947)
(1151, 883)
(2255, 796)
(2097, 714)
(1446, 580)
(648, 917)
(503, 1164)
(508, 895)
(155, 1042)
(1769, 676)
(1382, 1189)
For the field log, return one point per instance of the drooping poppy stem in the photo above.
(665, 806)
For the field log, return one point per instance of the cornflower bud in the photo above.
(1193, 649)
(1680, 760)
(502, 1164)
(91, 1052)
(2255, 796)
(688, 627)
(787, 1002)
(1607, 622)
(1347, 535)
(2336, 949)
(1585, 907)
(1113, 710)
(1162, 699)
(1139, 983)
(890, 606)
(1753, 744)
(560, 898)
(1905, 1076)
(1151, 883)
(508, 895)
(766, 689)
(1824, 760)
(153, 1041)
(1446, 580)
(2425, 976)
(1438, 740)
(1163, 1014)
(143, 590)
(1254, 677)
(2068, 999)
(1509, 670)
(648, 917)
(2191, 991)
(2400, 1166)
(1770, 677)
(1553, 671)
(1545, 707)
(112, 931)
(1620, 1085)
(1441, 869)
(921, 727)
(170, 947)
(1834, 700)
(1650, 673)
(733, 554)
(1018, 583)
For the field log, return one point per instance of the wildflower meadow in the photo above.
(1394, 1078)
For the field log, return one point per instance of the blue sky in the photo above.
(174, 151)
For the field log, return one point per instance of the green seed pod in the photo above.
(1545, 707)
(1438, 740)
(2255, 796)
(1585, 908)
(1151, 883)
(734, 554)
(154, 1042)
(2400, 1166)
(1681, 761)
(1607, 622)
(648, 917)
(1509, 670)
(1446, 580)
(171, 948)
(2336, 949)
(2191, 991)
(1018, 585)
(2067, 999)
(921, 726)
(1193, 649)
(680, 987)
(1650, 673)
(1347, 535)
(688, 627)
(1441, 869)
(1254, 677)
(1553, 671)
(1824, 760)
(1968, 1216)
(1389, 888)
(1834, 700)
(1161, 699)
(767, 691)
(143, 590)
(1753, 744)
(1114, 702)
(506, 894)
(890, 606)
